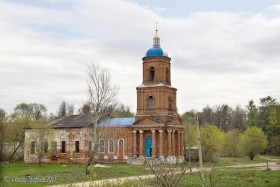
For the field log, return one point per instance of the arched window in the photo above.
(121, 141)
(150, 102)
(152, 73)
(111, 146)
(170, 103)
(167, 75)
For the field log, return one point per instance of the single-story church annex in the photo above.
(156, 130)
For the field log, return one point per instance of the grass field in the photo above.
(236, 177)
(71, 173)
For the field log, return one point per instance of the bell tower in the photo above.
(156, 96)
(158, 131)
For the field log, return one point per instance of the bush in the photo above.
(212, 141)
(252, 142)
(231, 141)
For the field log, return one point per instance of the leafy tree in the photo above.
(274, 146)
(275, 116)
(274, 141)
(14, 134)
(252, 142)
(231, 140)
(24, 115)
(31, 111)
(252, 115)
(212, 140)
(2, 131)
(189, 121)
(122, 111)
(266, 105)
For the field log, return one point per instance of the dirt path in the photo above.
(261, 166)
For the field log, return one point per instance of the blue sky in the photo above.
(222, 51)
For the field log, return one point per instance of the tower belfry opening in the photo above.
(152, 73)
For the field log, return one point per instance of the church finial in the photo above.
(156, 35)
(156, 38)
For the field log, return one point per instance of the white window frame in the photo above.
(119, 142)
(109, 146)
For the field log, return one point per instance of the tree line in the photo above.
(236, 131)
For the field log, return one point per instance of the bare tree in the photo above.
(102, 101)
(70, 109)
(65, 109)
(85, 109)
(168, 175)
(62, 110)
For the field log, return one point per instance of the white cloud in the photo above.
(275, 7)
(217, 57)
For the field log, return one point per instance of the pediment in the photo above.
(147, 121)
(176, 121)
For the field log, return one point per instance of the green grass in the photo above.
(272, 157)
(229, 161)
(242, 160)
(71, 173)
(222, 178)
(236, 177)
(66, 173)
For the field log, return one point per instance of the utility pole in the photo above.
(200, 154)
(189, 147)
(189, 150)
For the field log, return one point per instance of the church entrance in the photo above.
(148, 147)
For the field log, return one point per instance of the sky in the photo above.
(222, 52)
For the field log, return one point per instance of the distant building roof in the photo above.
(85, 120)
(114, 122)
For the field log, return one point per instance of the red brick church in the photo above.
(156, 131)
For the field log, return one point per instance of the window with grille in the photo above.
(77, 146)
(111, 146)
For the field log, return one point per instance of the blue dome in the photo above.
(156, 51)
